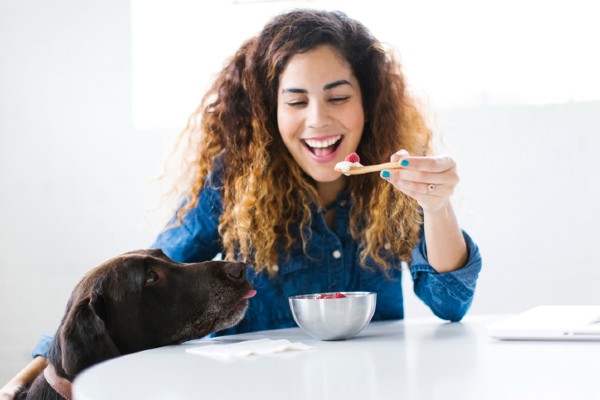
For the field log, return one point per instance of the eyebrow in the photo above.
(328, 86)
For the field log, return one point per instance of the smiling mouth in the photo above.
(323, 148)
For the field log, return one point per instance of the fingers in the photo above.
(446, 177)
(434, 164)
(397, 156)
(417, 189)
(430, 180)
(24, 378)
(437, 170)
(9, 390)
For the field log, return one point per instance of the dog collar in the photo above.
(58, 383)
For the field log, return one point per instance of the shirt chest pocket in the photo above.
(294, 277)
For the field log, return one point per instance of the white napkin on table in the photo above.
(247, 348)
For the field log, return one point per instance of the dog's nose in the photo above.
(235, 271)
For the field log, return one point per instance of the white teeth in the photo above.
(322, 143)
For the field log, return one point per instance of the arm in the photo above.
(446, 262)
(450, 294)
(447, 250)
(431, 181)
(196, 238)
(24, 378)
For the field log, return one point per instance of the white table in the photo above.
(412, 359)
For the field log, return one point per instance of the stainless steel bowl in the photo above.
(333, 319)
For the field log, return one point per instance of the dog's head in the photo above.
(143, 299)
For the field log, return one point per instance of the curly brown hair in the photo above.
(265, 193)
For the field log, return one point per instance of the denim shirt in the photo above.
(330, 264)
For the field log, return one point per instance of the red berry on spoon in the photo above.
(352, 157)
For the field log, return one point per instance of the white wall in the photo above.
(457, 53)
(74, 175)
(73, 171)
(529, 190)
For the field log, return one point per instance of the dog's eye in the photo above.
(151, 277)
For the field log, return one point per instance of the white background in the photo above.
(92, 95)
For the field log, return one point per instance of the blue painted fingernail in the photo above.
(385, 174)
(404, 163)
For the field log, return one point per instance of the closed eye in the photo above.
(335, 100)
(338, 100)
(296, 103)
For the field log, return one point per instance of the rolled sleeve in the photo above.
(448, 294)
(43, 346)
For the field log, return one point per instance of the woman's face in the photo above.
(319, 111)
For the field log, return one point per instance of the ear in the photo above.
(84, 339)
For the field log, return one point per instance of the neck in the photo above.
(328, 191)
(61, 385)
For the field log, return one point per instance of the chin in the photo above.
(328, 177)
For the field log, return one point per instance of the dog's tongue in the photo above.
(250, 293)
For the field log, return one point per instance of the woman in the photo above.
(260, 185)
(309, 89)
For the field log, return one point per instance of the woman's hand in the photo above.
(430, 180)
(24, 378)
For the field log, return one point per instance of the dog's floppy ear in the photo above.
(84, 339)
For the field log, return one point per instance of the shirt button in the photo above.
(275, 268)
(337, 254)
(343, 203)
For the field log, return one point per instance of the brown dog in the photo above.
(137, 301)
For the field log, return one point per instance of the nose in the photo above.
(318, 115)
(235, 271)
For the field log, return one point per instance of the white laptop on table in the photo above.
(550, 322)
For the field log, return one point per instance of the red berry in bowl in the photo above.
(336, 295)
